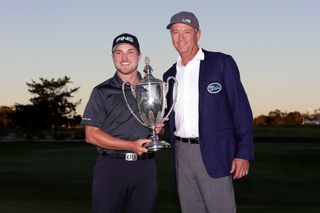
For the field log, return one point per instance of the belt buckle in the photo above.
(131, 157)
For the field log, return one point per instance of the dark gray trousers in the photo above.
(119, 184)
(198, 192)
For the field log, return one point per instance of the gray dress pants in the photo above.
(198, 192)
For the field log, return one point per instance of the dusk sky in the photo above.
(276, 44)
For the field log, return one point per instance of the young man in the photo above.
(211, 126)
(124, 174)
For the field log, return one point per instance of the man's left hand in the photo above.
(240, 167)
(160, 126)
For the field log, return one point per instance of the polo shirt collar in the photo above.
(118, 82)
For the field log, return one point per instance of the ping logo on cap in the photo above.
(214, 88)
(127, 38)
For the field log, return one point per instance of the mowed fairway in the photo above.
(284, 178)
(47, 177)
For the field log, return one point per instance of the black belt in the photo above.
(130, 156)
(188, 140)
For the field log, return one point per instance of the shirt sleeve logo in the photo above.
(214, 87)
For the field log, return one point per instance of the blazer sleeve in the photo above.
(240, 108)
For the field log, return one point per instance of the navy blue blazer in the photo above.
(225, 116)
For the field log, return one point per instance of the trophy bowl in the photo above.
(150, 95)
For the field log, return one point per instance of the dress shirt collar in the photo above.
(198, 56)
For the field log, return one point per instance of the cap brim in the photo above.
(170, 25)
(125, 43)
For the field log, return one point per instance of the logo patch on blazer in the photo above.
(214, 87)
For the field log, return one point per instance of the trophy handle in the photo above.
(174, 93)
(125, 98)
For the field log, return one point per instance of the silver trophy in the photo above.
(150, 95)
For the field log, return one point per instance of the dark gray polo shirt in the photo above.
(107, 110)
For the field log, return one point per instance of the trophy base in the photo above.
(154, 146)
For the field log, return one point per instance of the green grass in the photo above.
(284, 178)
(43, 177)
(287, 133)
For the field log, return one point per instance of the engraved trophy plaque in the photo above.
(150, 96)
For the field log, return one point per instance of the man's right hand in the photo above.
(103, 139)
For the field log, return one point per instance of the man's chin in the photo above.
(182, 50)
(126, 71)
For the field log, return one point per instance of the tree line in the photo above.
(50, 107)
(279, 118)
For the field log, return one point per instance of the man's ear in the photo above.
(198, 35)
